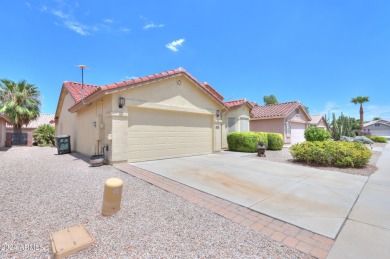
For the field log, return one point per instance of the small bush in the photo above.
(247, 141)
(263, 137)
(316, 134)
(275, 141)
(331, 153)
(44, 135)
(378, 139)
(243, 141)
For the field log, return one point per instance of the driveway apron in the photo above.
(317, 200)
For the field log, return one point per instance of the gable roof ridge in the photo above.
(135, 81)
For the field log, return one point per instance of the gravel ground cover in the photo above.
(284, 156)
(42, 192)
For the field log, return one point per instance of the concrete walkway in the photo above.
(366, 233)
(316, 200)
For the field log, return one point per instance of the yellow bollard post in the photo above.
(112, 196)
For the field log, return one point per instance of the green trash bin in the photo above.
(63, 144)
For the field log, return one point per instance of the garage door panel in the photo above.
(155, 134)
(297, 132)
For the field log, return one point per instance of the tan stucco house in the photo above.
(318, 120)
(236, 118)
(377, 128)
(164, 115)
(4, 119)
(289, 119)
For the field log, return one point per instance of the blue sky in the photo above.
(321, 53)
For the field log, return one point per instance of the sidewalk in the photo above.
(366, 233)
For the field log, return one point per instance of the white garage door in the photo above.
(155, 134)
(297, 132)
(380, 132)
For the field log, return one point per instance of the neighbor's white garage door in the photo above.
(157, 134)
(380, 132)
(297, 132)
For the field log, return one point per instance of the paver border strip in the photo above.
(298, 238)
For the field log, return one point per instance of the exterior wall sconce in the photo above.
(122, 102)
(217, 113)
(94, 124)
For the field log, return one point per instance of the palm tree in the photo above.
(360, 100)
(20, 101)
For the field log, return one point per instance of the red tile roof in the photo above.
(75, 89)
(275, 110)
(212, 90)
(237, 103)
(42, 119)
(90, 90)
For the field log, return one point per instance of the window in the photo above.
(244, 125)
(377, 125)
(297, 111)
(231, 125)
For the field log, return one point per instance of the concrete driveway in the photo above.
(316, 200)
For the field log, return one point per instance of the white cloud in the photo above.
(175, 44)
(60, 14)
(125, 30)
(64, 12)
(108, 21)
(130, 77)
(152, 25)
(77, 27)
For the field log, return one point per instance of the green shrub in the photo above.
(331, 153)
(316, 134)
(378, 139)
(275, 141)
(44, 135)
(263, 137)
(243, 141)
(246, 141)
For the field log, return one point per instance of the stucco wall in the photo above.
(168, 94)
(237, 113)
(268, 125)
(321, 124)
(300, 116)
(66, 124)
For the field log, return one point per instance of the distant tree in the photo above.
(376, 118)
(20, 101)
(360, 100)
(270, 99)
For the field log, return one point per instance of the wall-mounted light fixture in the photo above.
(94, 124)
(217, 113)
(122, 102)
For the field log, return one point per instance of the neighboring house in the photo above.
(289, 119)
(32, 125)
(377, 128)
(236, 118)
(4, 119)
(165, 115)
(318, 120)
